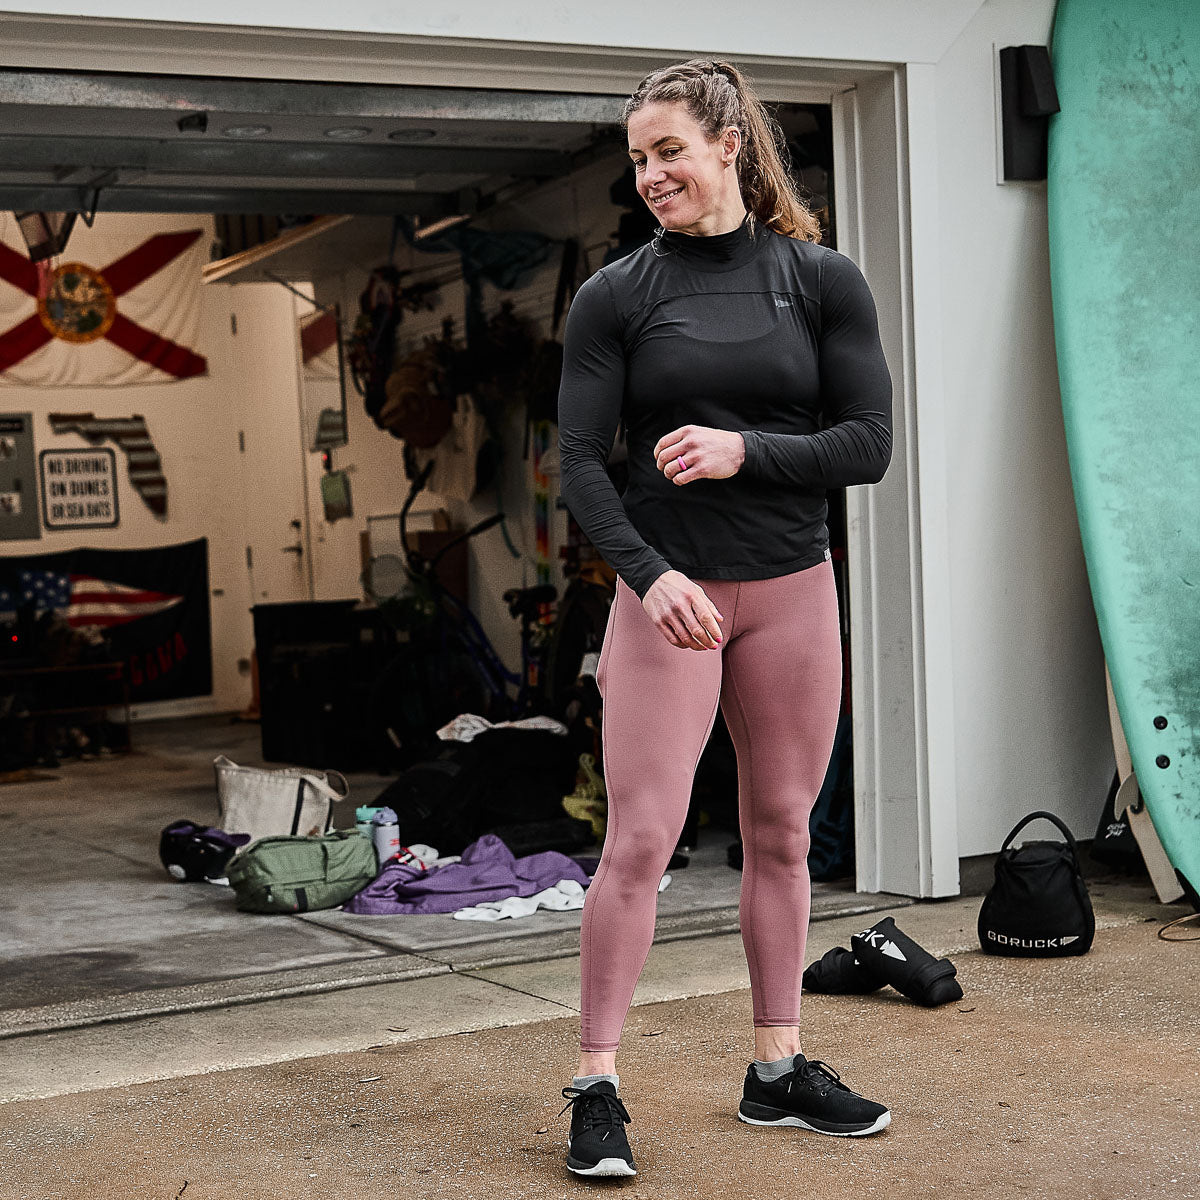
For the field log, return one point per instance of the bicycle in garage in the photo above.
(446, 665)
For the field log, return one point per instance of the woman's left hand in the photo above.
(706, 453)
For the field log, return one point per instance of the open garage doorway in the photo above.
(482, 158)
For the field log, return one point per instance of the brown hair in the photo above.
(718, 96)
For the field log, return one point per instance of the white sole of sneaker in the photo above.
(606, 1166)
(884, 1120)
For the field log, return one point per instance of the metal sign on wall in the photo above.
(79, 488)
(18, 503)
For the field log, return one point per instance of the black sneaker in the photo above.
(597, 1144)
(810, 1096)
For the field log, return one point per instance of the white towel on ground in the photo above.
(565, 895)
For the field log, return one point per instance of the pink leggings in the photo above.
(777, 677)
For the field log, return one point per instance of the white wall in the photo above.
(867, 30)
(193, 424)
(1029, 698)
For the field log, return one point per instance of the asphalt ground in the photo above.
(1067, 1078)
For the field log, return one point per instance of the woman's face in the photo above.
(688, 183)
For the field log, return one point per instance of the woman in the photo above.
(719, 345)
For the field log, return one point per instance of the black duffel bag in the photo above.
(438, 802)
(503, 777)
(1039, 906)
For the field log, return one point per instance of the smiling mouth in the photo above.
(657, 200)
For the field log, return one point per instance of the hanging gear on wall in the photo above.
(417, 407)
(463, 459)
(371, 348)
(507, 260)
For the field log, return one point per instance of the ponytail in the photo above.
(718, 96)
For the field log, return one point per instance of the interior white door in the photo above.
(278, 551)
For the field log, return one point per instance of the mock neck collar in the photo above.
(719, 252)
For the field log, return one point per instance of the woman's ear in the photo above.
(732, 145)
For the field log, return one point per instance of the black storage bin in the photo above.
(317, 663)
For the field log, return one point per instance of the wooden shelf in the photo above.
(242, 262)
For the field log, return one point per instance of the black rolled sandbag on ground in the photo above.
(894, 957)
(838, 973)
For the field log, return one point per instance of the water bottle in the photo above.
(386, 834)
(362, 820)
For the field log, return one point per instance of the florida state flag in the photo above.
(116, 308)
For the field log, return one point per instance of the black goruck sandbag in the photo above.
(1038, 906)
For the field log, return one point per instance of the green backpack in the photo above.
(298, 874)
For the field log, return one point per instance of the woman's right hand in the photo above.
(683, 613)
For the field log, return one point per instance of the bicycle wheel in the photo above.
(385, 578)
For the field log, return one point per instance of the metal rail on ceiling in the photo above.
(118, 197)
(188, 94)
(187, 155)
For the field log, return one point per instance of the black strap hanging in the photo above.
(568, 273)
(542, 397)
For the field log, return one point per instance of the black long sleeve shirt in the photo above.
(753, 332)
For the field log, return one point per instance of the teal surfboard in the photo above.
(1124, 205)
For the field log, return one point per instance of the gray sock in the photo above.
(768, 1072)
(586, 1081)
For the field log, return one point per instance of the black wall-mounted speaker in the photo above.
(1027, 100)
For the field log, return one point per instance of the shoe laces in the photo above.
(597, 1108)
(820, 1076)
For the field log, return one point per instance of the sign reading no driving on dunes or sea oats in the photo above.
(79, 488)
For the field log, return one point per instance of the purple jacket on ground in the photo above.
(488, 871)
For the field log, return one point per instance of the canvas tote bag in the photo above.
(287, 801)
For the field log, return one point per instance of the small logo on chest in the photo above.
(782, 303)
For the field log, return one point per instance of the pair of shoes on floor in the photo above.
(880, 956)
(809, 1096)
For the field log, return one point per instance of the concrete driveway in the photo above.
(1075, 1078)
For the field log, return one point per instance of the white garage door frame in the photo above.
(885, 175)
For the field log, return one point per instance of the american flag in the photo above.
(83, 599)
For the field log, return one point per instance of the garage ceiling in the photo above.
(83, 142)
